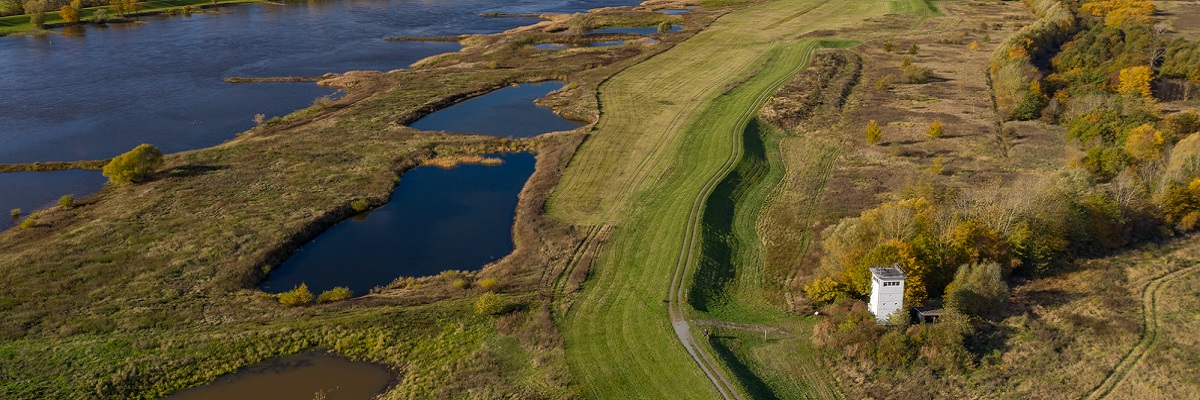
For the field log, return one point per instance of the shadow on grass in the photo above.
(716, 270)
(755, 386)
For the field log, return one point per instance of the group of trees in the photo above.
(1139, 177)
(72, 12)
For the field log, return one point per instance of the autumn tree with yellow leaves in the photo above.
(1136, 80)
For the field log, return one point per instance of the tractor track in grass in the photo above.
(1149, 334)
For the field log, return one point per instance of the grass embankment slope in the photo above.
(666, 128)
(18, 24)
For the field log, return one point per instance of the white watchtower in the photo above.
(887, 292)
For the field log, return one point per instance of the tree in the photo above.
(977, 290)
(100, 16)
(296, 297)
(336, 294)
(873, 132)
(1144, 143)
(36, 9)
(1136, 80)
(125, 7)
(1032, 103)
(67, 201)
(69, 14)
(935, 129)
(135, 166)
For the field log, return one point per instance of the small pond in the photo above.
(438, 219)
(607, 43)
(508, 112)
(307, 375)
(644, 30)
(550, 46)
(674, 12)
(32, 191)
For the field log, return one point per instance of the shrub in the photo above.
(824, 290)
(912, 50)
(488, 284)
(1105, 162)
(259, 119)
(360, 205)
(974, 45)
(16, 212)
(873, 132)
(916, 75)
(888, 46)
(29, 222)
(296, 297)
(884, 82)
(935, 129)
(489, 304)
(135, 166)
(336, 294)
(100, 16)
(1178, 125)
(907, 62)
(67, 201)
(459, 284)
(936, 167)
(977, 290)
(664, 27)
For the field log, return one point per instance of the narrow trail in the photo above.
(688, 251)
(1149, 334)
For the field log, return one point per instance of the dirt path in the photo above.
(1149, 334)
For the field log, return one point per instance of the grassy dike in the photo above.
(665, 129)
(19, 24)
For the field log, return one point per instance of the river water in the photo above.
(103, 90)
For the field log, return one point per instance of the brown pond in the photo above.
(302, 376)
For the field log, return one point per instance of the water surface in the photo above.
(438, 219)
(100, 93)
(607, 43)
(306, 375)
(32, 191)
(550, 46)
(508, 112)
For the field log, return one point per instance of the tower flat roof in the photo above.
(890, 273)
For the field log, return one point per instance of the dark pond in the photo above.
(607, 43)
(438, 219)
(31, 191)
(508, 112)
(306, 375)
(644, 30)
(550, 46)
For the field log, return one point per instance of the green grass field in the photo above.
(666, 128)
